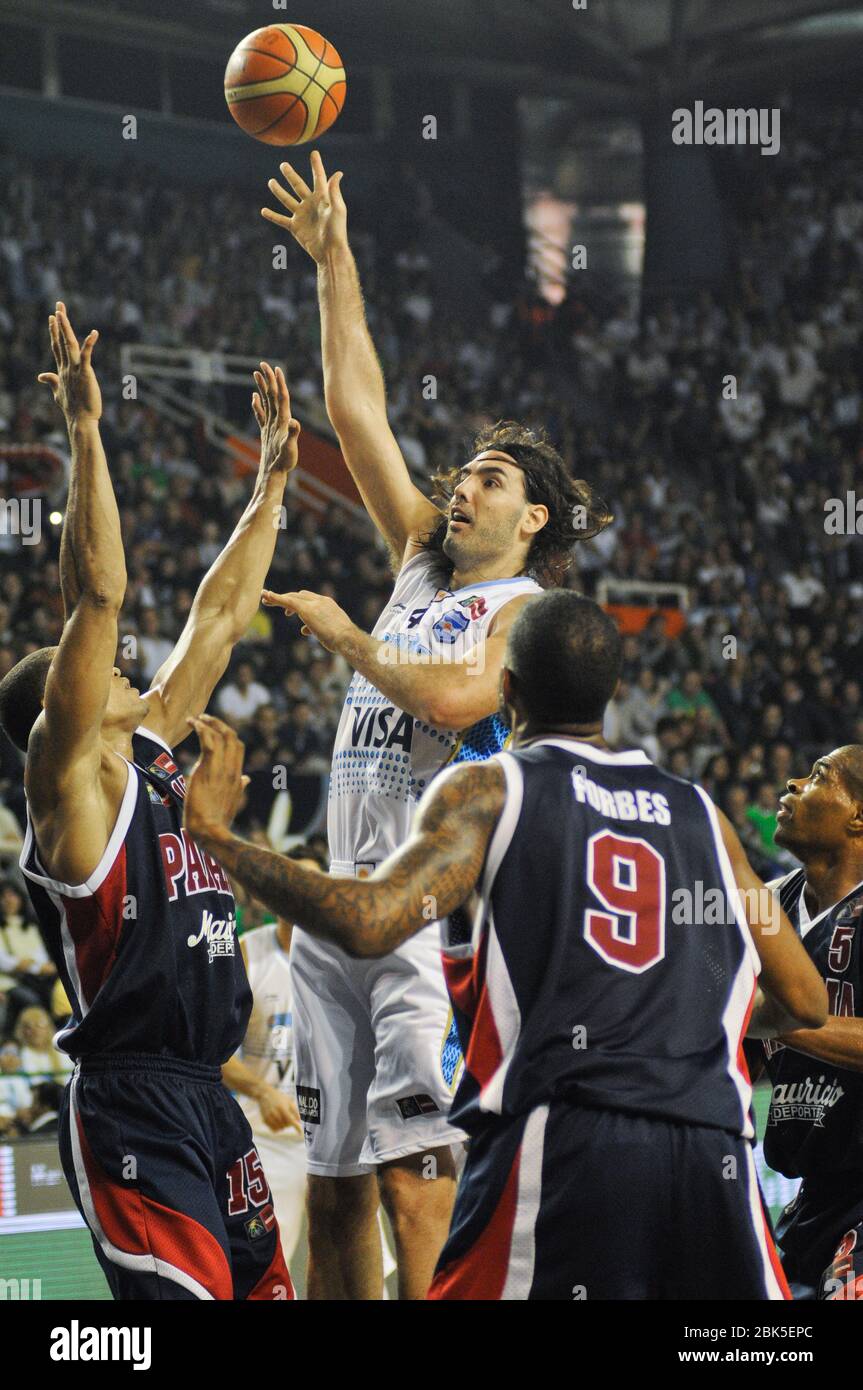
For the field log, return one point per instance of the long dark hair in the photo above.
(575, 510)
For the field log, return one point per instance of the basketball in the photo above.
(284, 84)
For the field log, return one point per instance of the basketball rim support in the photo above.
(321, 480)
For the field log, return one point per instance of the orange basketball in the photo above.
(284, 84)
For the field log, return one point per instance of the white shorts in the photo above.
(283, 1159)
(375, 1058)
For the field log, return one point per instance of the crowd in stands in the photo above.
(32, 1005)
(718, 427)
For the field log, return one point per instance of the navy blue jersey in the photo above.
(146, 948)
(594, 968)
(815, 1125)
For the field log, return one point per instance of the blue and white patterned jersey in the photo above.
(384, 758)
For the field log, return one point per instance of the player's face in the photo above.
(815, 811)
(125, 705)
(486, 509)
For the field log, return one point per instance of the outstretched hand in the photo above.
(216, 785)
(318, 217)
(319, 615)
(279, 430)
(74, 385)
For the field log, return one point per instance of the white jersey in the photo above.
(268, 1047)
(383, 758)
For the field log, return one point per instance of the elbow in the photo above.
(359, 946)
(445, 711)
(107, 595)
(810, 1009)
(439, 699)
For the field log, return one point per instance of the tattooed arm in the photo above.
(433, 873)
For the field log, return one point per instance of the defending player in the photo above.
(139, 920)
(604, 1089)
(376, 1053)
(815, 1124)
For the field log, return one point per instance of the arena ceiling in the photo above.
(617, 55)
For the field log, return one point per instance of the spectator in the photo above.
(42, 1116)
(40, 1060)
(22, 950)
(15, 1094)
(690, 696)
(762, 814)
(11, 839)
(240, 699)
(153, 649)
(736, 808)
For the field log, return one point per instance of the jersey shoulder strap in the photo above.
(423, 573)
(787, 889)
(148, 747)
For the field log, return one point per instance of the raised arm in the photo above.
(433, 873)
(353, 380)
(64, 756)
(230, 592)
(792, 993)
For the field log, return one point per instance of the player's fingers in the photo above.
(218, 726)
(66, 334)
(274, 600)
(272, 392)
(285, 197)
(58, 343)
(279, 219)
(258, 409)
(318, 172)
(297, 182)
(233, 749)
(235, 756)
(262, 392)
(55, 339)
(335, 189)
(282, 385)
(206, 738)
(49, 379)
(283, 396)
(211, 733)
(88, 346)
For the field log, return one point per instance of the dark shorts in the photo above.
(569, 1203)
(164, 1170)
